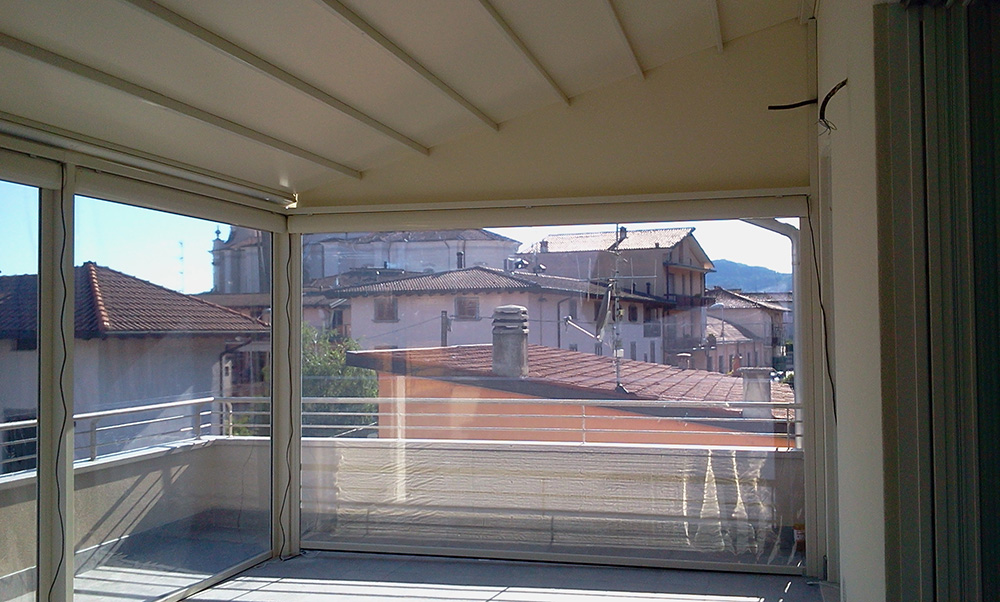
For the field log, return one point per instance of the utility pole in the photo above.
(445, 327)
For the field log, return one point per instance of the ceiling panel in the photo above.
(83, 107)
(663, 31)
(576, 40)
(457, 41)
(312, 43)
(743, 17)
(166, 60)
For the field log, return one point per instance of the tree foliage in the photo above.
(325, 373)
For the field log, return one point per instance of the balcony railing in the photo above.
(636, 480)
(686, 301)
(742, 424)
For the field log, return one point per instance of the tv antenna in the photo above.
(181, 243)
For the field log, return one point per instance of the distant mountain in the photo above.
(751, 278)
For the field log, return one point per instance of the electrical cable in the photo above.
(286, 494)
(822, 311)
(793, 105)
(822, 107)
(62, 390)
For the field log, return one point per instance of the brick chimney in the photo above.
(756, 388)
(510, 341)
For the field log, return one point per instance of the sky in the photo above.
(175, 251)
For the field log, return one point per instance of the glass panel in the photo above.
(18, 389)
(172, 400)
(505, 436)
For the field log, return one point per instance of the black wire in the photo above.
(822, 311)
(286, 494)
(794, 105)
(822, 107)
(62, 391)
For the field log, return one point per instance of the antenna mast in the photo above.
(617, 309)
(181, 243)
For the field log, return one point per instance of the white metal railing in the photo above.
(742, 424)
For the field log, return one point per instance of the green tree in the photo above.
(325, 373)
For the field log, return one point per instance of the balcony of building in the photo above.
(171, 495)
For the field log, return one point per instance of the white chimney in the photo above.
(510, 341)
(756, 388)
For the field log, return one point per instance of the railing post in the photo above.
(93, 438)
(196, 416)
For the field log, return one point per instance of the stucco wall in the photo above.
(18, 379)
(117, 372)
(419, 323)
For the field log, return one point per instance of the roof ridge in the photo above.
(170, 291)
(615, 232)
(103, 319)
(479, 268)
(760, 304)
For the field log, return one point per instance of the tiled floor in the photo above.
(342, 577)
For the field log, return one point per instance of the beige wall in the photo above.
(845, 50)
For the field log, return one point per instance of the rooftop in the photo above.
(560, 373)
(469, 234)
(109, 302)
(478, 279)
(663, 238)
(733, 300)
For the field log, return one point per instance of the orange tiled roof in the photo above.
(109, 302)
(575, 373)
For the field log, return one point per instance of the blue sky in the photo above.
(174, 251)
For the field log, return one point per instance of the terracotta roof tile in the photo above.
(584, 374)
(110, 302)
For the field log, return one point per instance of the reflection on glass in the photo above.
(552, 391)
(172, 404)
(18, 389)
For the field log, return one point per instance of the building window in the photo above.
(633, 313)
(598, 349)
(722, 366)
(467, 308)
(631, 350)
(652, 351)
(386, 309)
(708, 364)
(574, 347)
(572, 308)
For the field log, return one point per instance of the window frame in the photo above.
(467, 300)
(380, 310)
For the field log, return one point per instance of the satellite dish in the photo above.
(604, 315)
